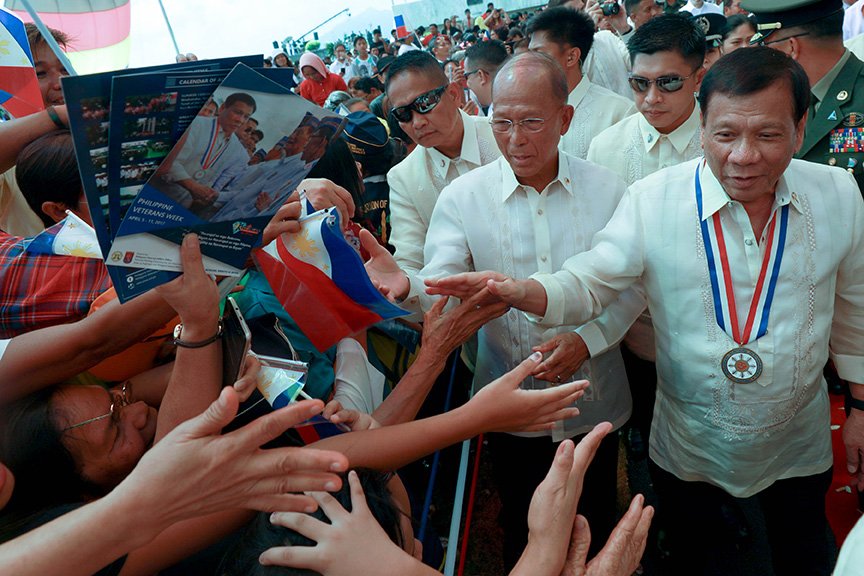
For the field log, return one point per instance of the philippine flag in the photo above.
(19, 89)
(71, 237)
(320, 280)
(401, 28)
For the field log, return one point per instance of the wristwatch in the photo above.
(178, 333)
(856, 403)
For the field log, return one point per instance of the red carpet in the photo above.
(842, 501)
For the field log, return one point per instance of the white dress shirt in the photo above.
(342, 69)
(853, 20)
(486, 220)
(707, 7)
(188, 162)
(633, 149)
(416, 182)
(608, 63)
(741, 437)
(595, 109)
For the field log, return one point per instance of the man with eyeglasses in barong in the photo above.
(527, 212)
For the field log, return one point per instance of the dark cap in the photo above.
(712, 25)
(384, 63)
(365, 134)
(773, 15)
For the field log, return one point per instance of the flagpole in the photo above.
(170, 30)
(49, 38)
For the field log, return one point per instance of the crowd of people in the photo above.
(634, 223)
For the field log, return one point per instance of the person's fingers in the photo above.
(561, 465)
(307, 557)
(507, 290)
(268, 427)
(587, 447)
(577, 553)
(330, 506)
(190, 255)
(437, 308)
(283, 503)
(523, 370)
(331, 408)
(218, 415)
(358, 498)
(547, 346)
(853, 458)
(370, 244)
(296, 469)
(301, 523)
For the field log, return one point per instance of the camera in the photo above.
(610, 8)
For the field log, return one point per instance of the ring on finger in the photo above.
(558, 379)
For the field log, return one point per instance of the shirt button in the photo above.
(543, 258)
(748, 242)
(540, 212)
(515, 341)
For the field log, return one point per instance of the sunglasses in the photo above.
(663, 83)
(423, 104)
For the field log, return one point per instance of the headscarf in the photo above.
(311, 59)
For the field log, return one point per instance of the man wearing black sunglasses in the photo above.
(811, 32)
(449, 143)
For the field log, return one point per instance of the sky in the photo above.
(216, 28)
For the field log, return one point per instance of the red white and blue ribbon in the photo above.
(210, 155)
(725, 309)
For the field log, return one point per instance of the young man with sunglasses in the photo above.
(811, 32)
(666, 55)
(527, 212)
(566, 36)
(450, 143)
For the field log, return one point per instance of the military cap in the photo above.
(774, 15)
(713, 26)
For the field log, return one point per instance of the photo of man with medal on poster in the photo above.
(208, 156)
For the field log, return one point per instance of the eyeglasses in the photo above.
(468, 74)
(423, 104)
(503, 126)
(664, 83)
(118, 401)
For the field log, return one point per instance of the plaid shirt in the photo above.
(40, 290)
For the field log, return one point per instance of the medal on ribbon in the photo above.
(213, 152)
(741, 364)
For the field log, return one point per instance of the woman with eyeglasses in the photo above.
(70, 444)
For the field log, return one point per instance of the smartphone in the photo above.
(236, 342)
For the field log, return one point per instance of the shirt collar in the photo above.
(579, 92)
(509, 183)
(470, 151)
(820, 89)
(714, 197)
(680, 137)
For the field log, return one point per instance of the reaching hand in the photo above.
(553, 506)
(853, 439)
(568, 353)
(504, 407)
(286, 220)
(351, 539)
(444, 331)
(194, 294)
(383, 270)
(201, 194)
(622, 552)
(354, 419)
(195, 470)
(323, 193)
(464, 285)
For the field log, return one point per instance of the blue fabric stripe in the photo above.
(709, 253)
(775, 271)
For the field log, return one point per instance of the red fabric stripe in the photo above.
(754, 304)
(727, 278)
(321, 310)
(88, 30)
(21, 82)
